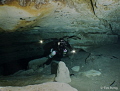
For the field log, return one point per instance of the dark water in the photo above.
(17, 49)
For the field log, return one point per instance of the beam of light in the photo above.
(41, 41)
(73, 51)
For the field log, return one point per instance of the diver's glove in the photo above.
(53, 53)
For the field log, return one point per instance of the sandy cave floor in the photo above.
(104, 59)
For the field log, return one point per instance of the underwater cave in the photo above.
(30, 29)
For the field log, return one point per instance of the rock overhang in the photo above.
(23, 14)
(85, 23)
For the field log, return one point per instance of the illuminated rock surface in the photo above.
(63, 74)
(50, 86)
(91, 73)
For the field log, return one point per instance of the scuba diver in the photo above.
(58, 51)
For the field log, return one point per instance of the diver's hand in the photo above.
(53, 53)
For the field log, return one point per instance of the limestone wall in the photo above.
(85, 23)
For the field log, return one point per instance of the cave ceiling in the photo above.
(84, 22)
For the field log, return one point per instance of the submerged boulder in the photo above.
(76, 68)
(63, 74)
(36, 63)
(92, 73)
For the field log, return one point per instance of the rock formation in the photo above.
(63, 74)
(84, 23)
(76, 68)
(35, 64)
(49, 86)
(92, 73)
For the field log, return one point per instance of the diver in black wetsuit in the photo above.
(58, 50)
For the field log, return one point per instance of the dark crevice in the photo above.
(87, 58)
(93, 7)
(112, 29)
(110, 26)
